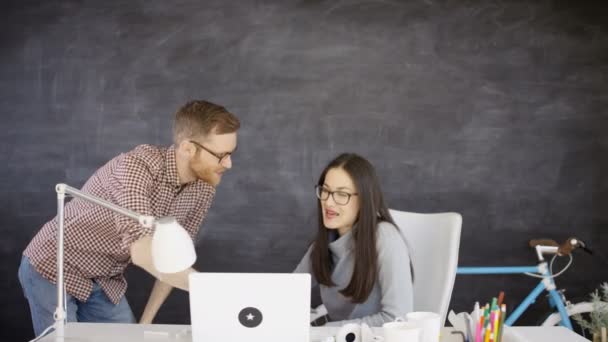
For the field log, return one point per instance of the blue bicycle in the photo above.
(544, 272)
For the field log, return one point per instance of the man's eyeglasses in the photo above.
(220, 157)
(340, 197)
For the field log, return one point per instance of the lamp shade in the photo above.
(172, 247)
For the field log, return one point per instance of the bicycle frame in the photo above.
(546, 283)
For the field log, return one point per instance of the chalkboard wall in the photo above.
(493, 109)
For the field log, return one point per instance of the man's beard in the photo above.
(206, 174)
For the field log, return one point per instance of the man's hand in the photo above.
(141, 255)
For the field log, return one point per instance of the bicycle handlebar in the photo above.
(566, 248)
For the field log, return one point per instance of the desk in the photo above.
(541, 334)
(107, 332)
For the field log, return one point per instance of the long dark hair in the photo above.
(372, 210)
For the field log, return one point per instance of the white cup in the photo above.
(429, 324)
(400, 331)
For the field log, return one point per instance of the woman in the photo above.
(358, 258)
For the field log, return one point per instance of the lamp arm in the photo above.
(63, 189)
(144, 220)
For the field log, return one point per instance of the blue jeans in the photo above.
(42, 297)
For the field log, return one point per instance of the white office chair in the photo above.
(434, 240)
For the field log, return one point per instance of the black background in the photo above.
(493, 109)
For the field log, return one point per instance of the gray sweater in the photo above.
(392, 295)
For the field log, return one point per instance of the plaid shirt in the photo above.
(97, 240)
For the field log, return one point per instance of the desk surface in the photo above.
(98, 332)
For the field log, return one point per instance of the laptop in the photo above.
(250, 307)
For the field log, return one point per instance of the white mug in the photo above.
(429, 324)
(400, 331)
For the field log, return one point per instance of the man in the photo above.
(177, 181)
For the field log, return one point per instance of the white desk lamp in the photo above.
(172, 248)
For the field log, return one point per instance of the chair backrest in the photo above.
(433, 240)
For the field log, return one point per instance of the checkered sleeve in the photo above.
(132, 182)
(199, 212)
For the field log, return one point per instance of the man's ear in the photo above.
(186, 148)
